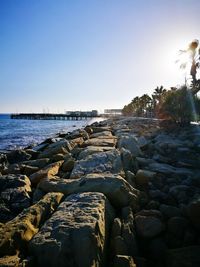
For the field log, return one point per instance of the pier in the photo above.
(53, 116)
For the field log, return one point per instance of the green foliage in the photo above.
(179, 105)
(139, 106)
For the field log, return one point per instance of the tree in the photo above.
(179, 106)
(138, 106)
(193, 59)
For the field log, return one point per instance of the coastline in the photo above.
(18, 134)
(121, 192)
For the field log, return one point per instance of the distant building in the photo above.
(92, 113)
(113, 112)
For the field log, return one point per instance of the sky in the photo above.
(58, 55)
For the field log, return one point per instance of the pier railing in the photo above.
(52, 116)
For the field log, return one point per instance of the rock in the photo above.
(13, 169)
(129, 237)
(116, 228)
(181, 193)
(93, 150)
(169, 211)
(5, 213)
(168, 169)
(142, 141)
(28, 170)
(122, 260)
(39, 163)
(148, 224)
(40, 147)
(17, 156)
(76, 142)
(193, 212)
(122, 238)
(80, 133)
(80, 218)
(58, 157)
(153, 205)
(37, 195)
(107, 142)
(34, 154)
(68, 165)
(15, 234)
(130, 178)
(104, 134)
(15, 195)
(98, 163)
(157, 195)
(10, 261)
(144, 162)
(183, 257)
(49, 171)
(143, 177)
(129, 161)
(89, 130)
(60, 147)
(114, 187)
(118, 246)
(130, 143)
(3, 161)
(100, 129)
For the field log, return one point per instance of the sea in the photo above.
(17, 134)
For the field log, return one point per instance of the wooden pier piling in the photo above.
(52, 116)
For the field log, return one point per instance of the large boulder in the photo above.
(123, 260)
(98, 129)
(148, 223)
(60, 147)
(108, 142)
(15, 234)
(104, 134)
(17, 156)
(93, 150)
(77, 233)
(39, 163)
(48, 171)
(109, 161)
(79, 133)
(10, 261)
(130, 142)
(129, 161)
(143, 177)
(14, 194)
(168, 169)
(114, 187)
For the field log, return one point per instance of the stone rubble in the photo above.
(121, 192)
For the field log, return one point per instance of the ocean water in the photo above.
(15, 134)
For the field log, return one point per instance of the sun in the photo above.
(177, 59)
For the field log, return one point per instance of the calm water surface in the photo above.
(21, 133)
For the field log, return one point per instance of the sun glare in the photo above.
(177, 64)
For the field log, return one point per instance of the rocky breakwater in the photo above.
(122, 192)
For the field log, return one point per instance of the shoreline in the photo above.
(23, 144)
(126, 189)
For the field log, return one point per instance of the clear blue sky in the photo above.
(61, 55)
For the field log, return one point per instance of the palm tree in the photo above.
(158, 92)
(193, 60)
(145, 100)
